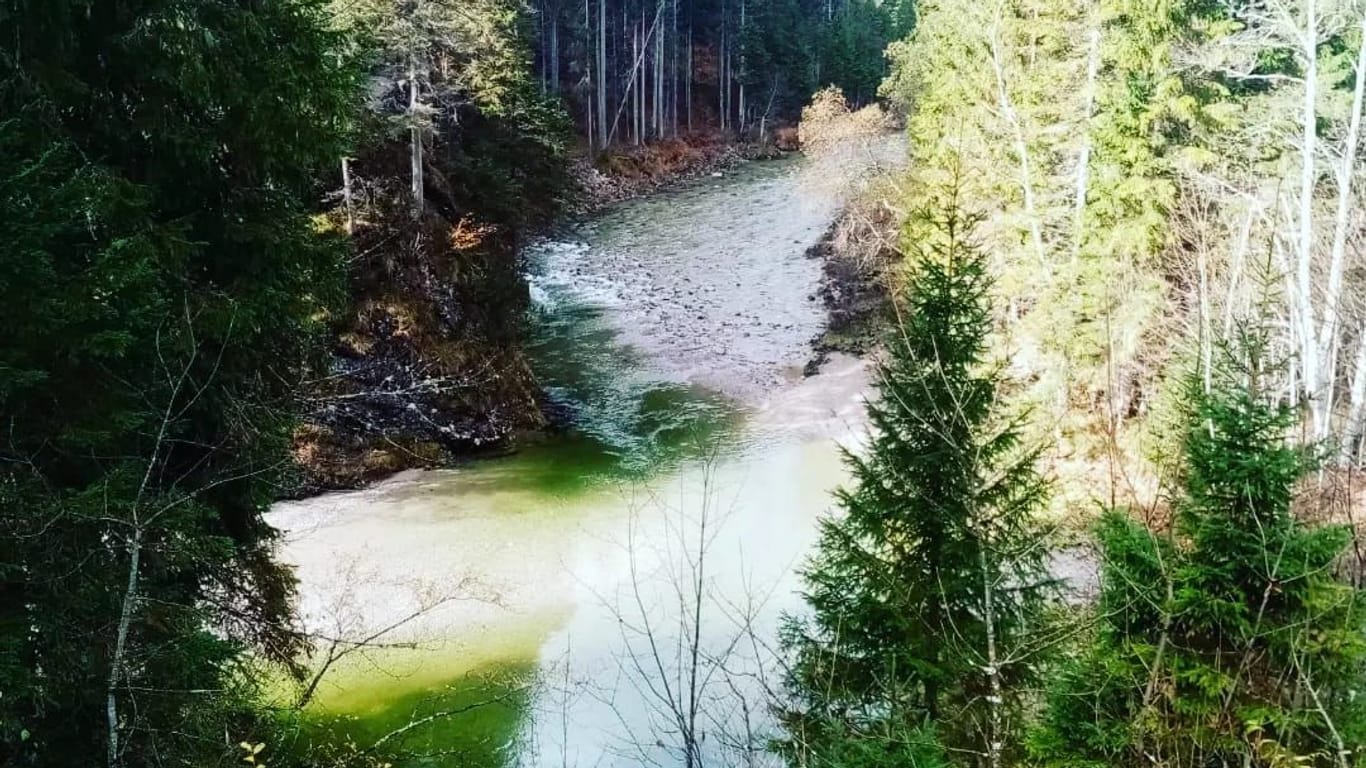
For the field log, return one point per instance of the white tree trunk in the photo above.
(346, 196)
(1356, 410)
(741, 121)
(1084, 156)
(995, 701)
(1235, 278)
(1206, 327)
(118, 660)
(632, 91)
(1330, 326)
(1021, 146)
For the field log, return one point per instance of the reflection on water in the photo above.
(570, 590)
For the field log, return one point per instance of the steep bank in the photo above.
(859, 259)
(426, 359)
(427, 367)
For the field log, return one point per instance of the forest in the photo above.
(1098, 506)
(641, 71)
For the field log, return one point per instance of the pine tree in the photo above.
(925, 587)
(161, 290)
(1228, 641)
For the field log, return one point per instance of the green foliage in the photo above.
(1147, 108)
(942, 509)
(497, 144)
(790, 50)
(853, 49)
(1230, 639)
(887, 745)
(162, 284)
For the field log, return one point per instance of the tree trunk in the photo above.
(602, 72)
(673, 96)
(1330, 327)
(1309, 362)
(588, 74)
(628, 98)
(416, 141)
(631, 88)
(721, 74)
(659, 77)
(741, 117)
(995, 701)
(346, 196)
(555, 52)
(1356, 409)
(687, 95)
(1021, 146)
(1084, 156)
(117, 660)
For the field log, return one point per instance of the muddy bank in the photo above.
(857, 302)
(860, 266)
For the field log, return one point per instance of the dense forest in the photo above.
(252, 249)
(641, 71)
(1134, 236)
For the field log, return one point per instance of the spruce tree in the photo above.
(926, 584)
(1227, 640)
(162, 284)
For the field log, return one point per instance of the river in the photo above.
(606, 593)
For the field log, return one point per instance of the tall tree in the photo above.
(1227, 640)
(925, 589)
(162, 283)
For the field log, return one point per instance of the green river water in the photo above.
(523, 591)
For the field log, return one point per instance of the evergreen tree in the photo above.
(854, 45)
(925, 587)
(1228, 641)
(160, 285)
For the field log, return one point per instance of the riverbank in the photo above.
(630, 173)
(432, 370)
(673, 330)
(857, 265)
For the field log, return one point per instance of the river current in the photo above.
(613, 594)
